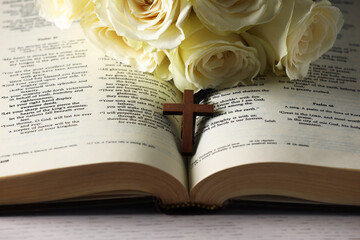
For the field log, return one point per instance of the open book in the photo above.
(75, 124)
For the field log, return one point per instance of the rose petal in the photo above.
(158, 22)
(225, 16)
(63, 12)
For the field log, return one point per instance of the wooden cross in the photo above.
(189, 110)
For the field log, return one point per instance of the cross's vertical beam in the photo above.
(188, 123)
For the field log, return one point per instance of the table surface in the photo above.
(145, 222)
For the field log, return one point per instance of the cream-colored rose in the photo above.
(158, 22)
(207, 60)
(137, 54)
(223, 16)
(300, 34)
(63, 12)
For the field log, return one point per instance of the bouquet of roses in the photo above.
(205, 43)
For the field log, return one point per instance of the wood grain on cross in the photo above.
(189, 110)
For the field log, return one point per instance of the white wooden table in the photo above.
(146, 223)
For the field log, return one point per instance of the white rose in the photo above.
(300, 34)
(222, 16)
(63, 12)
(207, 60)
(137, 54)
(158, 22)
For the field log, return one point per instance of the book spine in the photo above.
(186, 207)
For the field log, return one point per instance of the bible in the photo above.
(76, 125)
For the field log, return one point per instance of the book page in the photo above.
(315, 121)
(64, 104)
